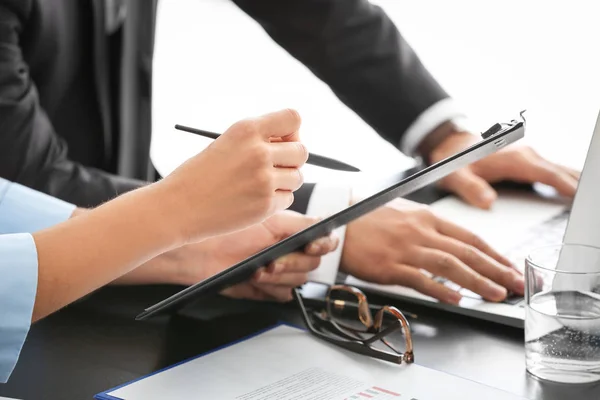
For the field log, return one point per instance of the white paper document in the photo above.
(287, 363)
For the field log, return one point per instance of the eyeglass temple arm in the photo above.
(381, 334)
(360, 348)
(354, 346)
(298, 298)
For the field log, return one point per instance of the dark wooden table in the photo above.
(96, 344)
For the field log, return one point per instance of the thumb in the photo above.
(471, 188)
(286, 223)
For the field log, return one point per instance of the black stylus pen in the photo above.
(313, 159)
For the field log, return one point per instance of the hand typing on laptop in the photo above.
(515, 163)
(392, 244)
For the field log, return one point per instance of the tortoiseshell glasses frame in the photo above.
(375, 329)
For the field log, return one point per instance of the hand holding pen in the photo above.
(254, 170)
(313, 159)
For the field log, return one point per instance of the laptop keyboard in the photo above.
(547, 233)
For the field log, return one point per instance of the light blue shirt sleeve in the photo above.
(18, 286)
(25, 210)
(22, 211)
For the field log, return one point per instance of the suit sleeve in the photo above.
(31, 152)
(355, 48)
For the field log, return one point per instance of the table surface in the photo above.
(96, 344)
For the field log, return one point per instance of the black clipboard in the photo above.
(495, 138)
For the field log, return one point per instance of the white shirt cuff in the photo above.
(325, 200)
(442, 111)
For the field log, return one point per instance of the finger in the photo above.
(471, 188)
(294, 262)
(545, 172)
(288, 179)
(290, 280)
(445, 264)
(413, 278)
(282, 200)
(574, 173)
(274, 292)
(284, 224)
(246, 291)
(322, 246)
(288, 154)
(283, 124)
(450, 229)
(480, 262)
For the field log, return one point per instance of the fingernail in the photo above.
(487, 197)
(279, 267)
(323, 241)
(496, 291)
(519, 284)
(454, 298)
(259, 275)
(336, 243)
(315, 247)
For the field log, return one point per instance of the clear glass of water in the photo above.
(562, 322)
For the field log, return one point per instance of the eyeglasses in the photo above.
(347, 321)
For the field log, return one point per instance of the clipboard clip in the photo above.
(501, 127)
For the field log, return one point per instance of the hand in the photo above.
(391, 245)
(515, 163)
(242, 178)
(195, 262)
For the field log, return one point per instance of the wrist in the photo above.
(439, 137)
(189, 223)
(451, 144)
(163, 269)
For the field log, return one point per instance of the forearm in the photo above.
(164, 269)
(87, 252)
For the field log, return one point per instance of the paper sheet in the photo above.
(286, 363)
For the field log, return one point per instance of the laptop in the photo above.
(518, 223)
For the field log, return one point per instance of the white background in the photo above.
(214, 65)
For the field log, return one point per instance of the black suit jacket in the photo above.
(352, 45)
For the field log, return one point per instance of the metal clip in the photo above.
(522, 115)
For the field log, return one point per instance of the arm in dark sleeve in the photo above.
(354, 47)
(31, 153)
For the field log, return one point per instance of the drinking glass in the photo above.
(562, 319)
